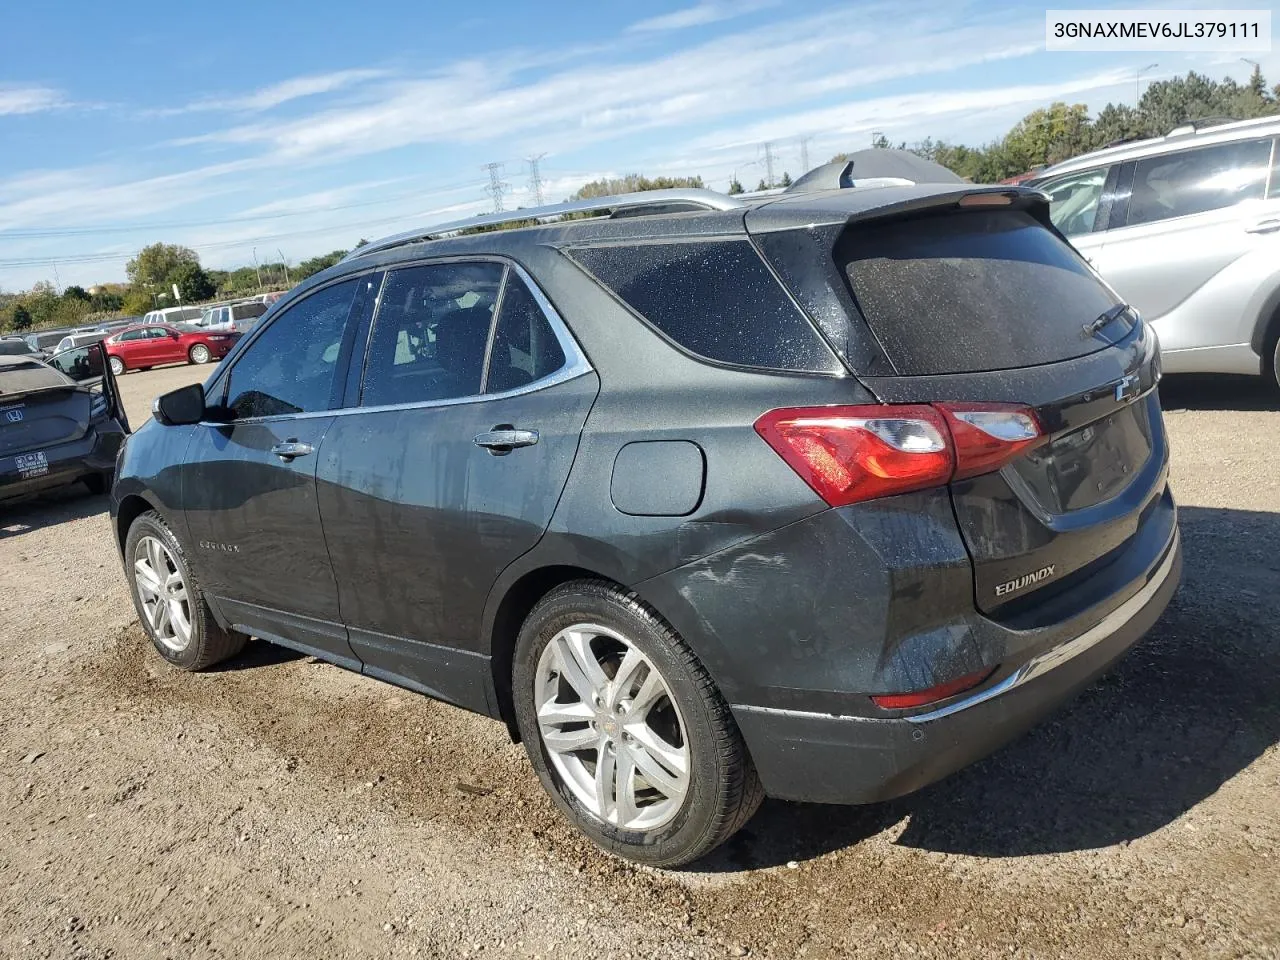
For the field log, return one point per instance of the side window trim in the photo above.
(493, 328)
(1118, 202)
(576, 361)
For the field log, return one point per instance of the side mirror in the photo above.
(178, 407)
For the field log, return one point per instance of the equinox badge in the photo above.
(1044, 573)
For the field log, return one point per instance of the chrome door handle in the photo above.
(502, 440)
(291, 448)
(1264, 226)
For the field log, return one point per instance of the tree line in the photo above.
(1044, 136)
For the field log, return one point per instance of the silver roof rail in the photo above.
(681, 200)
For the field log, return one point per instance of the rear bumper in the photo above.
(827, 758)
(94, 453)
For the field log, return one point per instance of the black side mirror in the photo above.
(178, 407)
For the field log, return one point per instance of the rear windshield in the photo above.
(20, 376)
(980, 290)
(715, 298)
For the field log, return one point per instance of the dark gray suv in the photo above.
(821, 497)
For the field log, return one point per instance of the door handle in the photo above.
(291, 448)
(503, 439)
(1264, 226)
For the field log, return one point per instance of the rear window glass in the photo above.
(973, 291)
(714, 298)
(17, 376)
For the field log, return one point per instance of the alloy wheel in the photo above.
(162, 593)
(117, 366)
(612, 730)
(200, 353)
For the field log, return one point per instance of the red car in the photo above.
(148, 345)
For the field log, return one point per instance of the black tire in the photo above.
(98, 483)
(724, 790)
(209, 643)
(199, 353)
(118, 366)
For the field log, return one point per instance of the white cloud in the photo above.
(18, 100)
(266, 98)
(696, 16)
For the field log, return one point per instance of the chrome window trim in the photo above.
(576, 363)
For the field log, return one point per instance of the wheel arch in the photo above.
(1266, 329)
(130, 507)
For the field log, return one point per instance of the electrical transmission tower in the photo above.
(767, 147)
(535, 178)
(497, 186)
(804, 154)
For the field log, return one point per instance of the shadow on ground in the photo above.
(1194, 703)
(1202, 392)
(73, 502)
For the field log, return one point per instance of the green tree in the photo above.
(191, 281)
(1047, 136)
(632, 183)
(786, 179)
(154, 263)
(735, 186)
(762, 185)
(136, 302)
(314, 265)
(21, 319)
(74, 292)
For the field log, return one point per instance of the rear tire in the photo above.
(169, 600)
(689, 781)
(199, 353)
(117, 366)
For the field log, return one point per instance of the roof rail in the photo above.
(1198, 124)
(648, 201)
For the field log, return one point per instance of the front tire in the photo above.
(117, 366)
(626, 729)
(199, 353)
(169, 600)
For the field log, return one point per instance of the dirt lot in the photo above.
(281, 807)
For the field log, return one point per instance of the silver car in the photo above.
(1186, 228)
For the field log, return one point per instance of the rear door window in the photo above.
(431, 333)
(525, 348)
(982, 290)
(716, 299)
(1196, 181)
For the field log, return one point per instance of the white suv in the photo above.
(1187, 229)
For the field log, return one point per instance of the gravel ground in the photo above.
(281, 807)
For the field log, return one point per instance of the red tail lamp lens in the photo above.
(943, 691)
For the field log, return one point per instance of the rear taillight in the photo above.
(855, 453)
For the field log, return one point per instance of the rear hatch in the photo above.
(987, 306)
(39, 408)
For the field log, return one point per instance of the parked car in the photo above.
(820, 498)
(45, 342)
(232, 316)
(60, 423)
(16, 347)
(73, 340)
(172, 315)
(145, 346)
(269, 298)
(1187, 229)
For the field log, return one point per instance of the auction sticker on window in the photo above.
(31, 465)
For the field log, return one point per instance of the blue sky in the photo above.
(297, 128)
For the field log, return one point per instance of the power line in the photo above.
(535, 178)
(497, 186)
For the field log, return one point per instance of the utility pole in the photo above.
(767, 146)
(257, 269)
(1137, 82)
(496, 186)
(804, 154)
(284, 263)
(535, 178)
